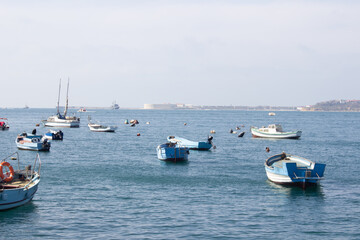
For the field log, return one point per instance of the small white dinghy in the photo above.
(97, 127)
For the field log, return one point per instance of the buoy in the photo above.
(212, 131)
(185, 124)
(38, 124)
(237, 128)
(138, 134)
(147, 122)
(126, 121)
(267, 149)
(231, 131)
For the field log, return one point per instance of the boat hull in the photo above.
(62, 124)
(11, 198)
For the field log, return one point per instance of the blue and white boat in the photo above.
(191, 144)
(32, 142)
(172, 152)
(18, 187)
(289, 169)
(54, 135)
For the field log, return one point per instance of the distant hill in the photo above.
(338, 105)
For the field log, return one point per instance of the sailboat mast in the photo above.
(67, 99)
(58, 108)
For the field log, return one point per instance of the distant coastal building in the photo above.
(165, 106)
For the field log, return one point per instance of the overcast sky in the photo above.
(281, 53)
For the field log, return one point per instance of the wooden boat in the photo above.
(4, 124)
(54, 135)
(33, 142)
(274, 131)
(191, 144)
(18, 187)
(293, 170)
(272, 114)
(172, 152)
(62, 120)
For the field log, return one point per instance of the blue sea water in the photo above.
(112, 186)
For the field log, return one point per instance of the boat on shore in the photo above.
(32, 142)
(97, 127)
(289, 169)
(191, 144)
(18, 187)
(4, 125)
(62, 120)
(274, 131)
(54, 135)
(172, 152)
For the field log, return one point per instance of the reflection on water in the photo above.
(295, 191)
(19, 214)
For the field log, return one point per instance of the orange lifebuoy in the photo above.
(11, 169)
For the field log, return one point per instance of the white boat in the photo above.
(97, 127)
(82, 110)
(272, 114)
(19, 186)
(59, 120)
(274, 131)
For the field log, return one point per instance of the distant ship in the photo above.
(26, 107)
(115, 105)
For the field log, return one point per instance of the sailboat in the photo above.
(59, 120)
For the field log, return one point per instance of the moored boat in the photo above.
(289, 169)
(172, 152)
(62, 120)
(274, 131)
(54, 135)
(4, 125)
(18, 187)
(32, 142)
(97, 127)
(272, 114)
(191, 144)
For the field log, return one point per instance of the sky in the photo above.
(225, 52)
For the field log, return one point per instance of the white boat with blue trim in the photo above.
(18, 187)
(289, 169)
(32, 142)
(274, 131)
(191, 144)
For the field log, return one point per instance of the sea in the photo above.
(112, 186)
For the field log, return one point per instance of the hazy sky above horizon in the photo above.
(280, 53)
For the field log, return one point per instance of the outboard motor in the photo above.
(33, 131)
(210, 138)
(241, 134)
